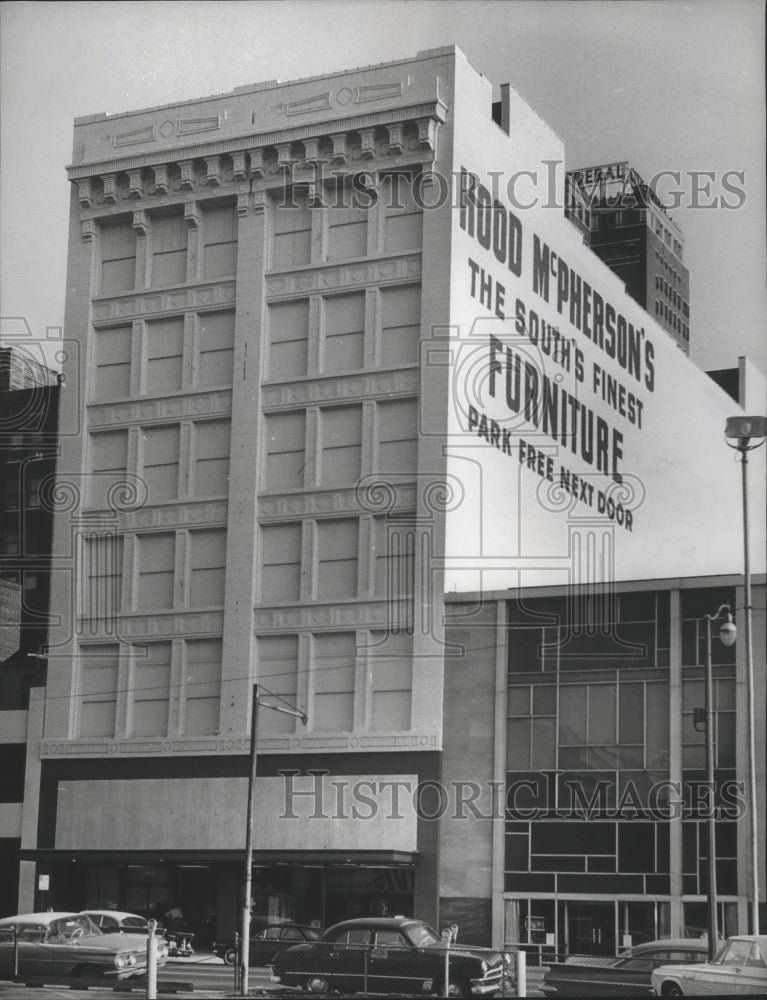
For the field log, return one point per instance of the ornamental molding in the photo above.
(436, 111)
(237, 745)
(315, 504)
(355, 614)
(388, 270)
(179, 515)
(373, 385)
(134, 627)
(140, 304)
(202, 404)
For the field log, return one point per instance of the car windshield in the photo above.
(135, 922)
(423, 936)
(70, 928)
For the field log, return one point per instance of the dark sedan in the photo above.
(628, 975)
(266, 942)
(389, 955)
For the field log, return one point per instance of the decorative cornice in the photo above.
(255, 141)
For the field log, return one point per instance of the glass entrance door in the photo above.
(589, 927)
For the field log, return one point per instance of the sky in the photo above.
(668, 85)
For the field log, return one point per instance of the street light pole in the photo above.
(727, 634)
(743, 429)
(751, 700)
(248, 890)
(285, 709)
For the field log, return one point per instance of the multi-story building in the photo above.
(628, 227)
(29, 399)
(328, 375)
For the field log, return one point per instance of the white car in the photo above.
(62, 945)
(739, 967)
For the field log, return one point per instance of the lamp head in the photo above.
(728, 632)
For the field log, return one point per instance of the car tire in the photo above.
(230, 956)
(671, 990)
(317, 984)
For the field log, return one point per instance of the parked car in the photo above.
(389, 955)
(627, 975)
(68, 944)
(740, 966)
(117, 921)
(266, 942)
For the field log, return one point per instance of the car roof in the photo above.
(363, 922)
(117, 914)
(695, 944)
(39, 918)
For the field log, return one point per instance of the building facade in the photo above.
(628, 227)
(577, 773)
(326, 375)
(29, 398)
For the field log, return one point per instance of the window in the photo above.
(347, 227)
(400, 325)
(390, 680)
(150, 690)
(281, 562)
(113, 363)
(394, 560)
(160, 447)
(292, 230)
(98, 689)
(219, 226)
(117, 244)
(208, 568)
(109, 461)
(102, 570)
(736, 954)
(169, 243)
(353, 939)
(333, 676)
(202, 686)
(285, 450)
(288, 339)
(278, 672)
(337, 546)
(403, 223)
(344, 329)
(755, 959)
(156, 556)
(216, 355)
(211, 458)
(165, 350)
(398, 436)
(341, 445)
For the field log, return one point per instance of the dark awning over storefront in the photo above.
(327, 858)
